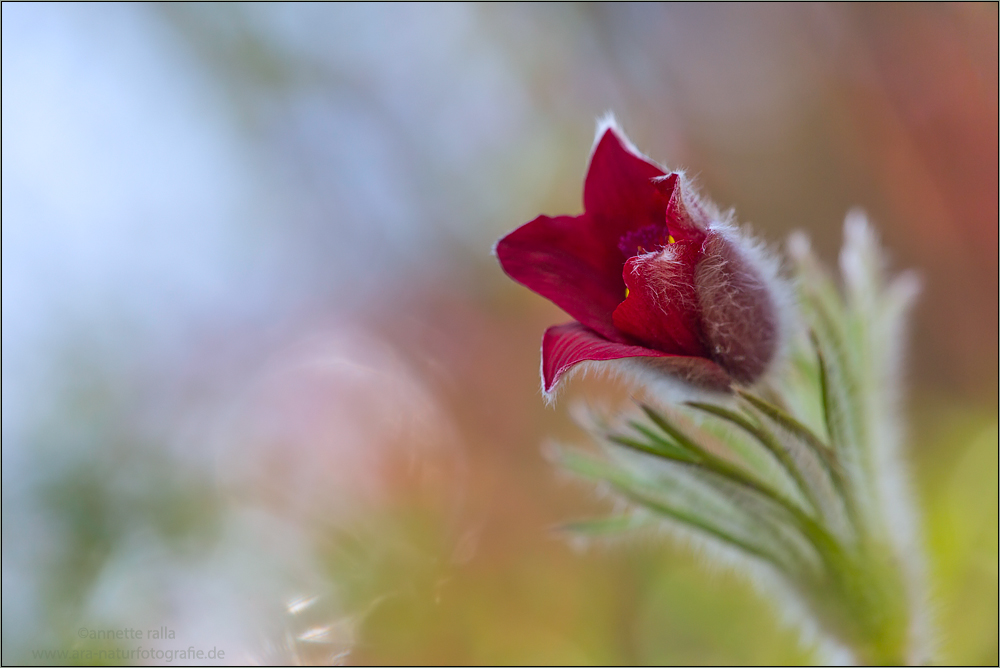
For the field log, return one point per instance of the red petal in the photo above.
(686, 217)
(661, 310)
(565, 346)
(620, 192)
(576, 261)
(565, 260)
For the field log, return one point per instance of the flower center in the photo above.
(644, 240)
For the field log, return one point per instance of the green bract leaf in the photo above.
(800, 473)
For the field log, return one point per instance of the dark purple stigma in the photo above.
(647, 239)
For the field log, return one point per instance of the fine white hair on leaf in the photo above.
(884, 306)
(860, 331)
(637, 373)
(762, 576)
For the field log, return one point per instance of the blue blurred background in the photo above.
(264, 385)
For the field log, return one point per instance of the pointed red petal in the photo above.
(686, 217)
(620, 192)
(565, 260)
(577, 261)
(565, 346)
(661, 310)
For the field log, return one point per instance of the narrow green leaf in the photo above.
(839, 383)
(675, 450)
(833, 427)
(817, 534)
(766, 439)
(587, 466)
(826, 455)
(788, 422)
(676, 454)
(845, 413)
(709, 506)
(700, 523)
(691, 453)
(804, 481)
(599, 526)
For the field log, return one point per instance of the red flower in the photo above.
(650, 274)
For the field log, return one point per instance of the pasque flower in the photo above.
(650, 274)
(659, 282)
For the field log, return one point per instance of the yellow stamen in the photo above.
(626, 293)
(670, 239)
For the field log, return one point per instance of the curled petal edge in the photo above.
(566, 346)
